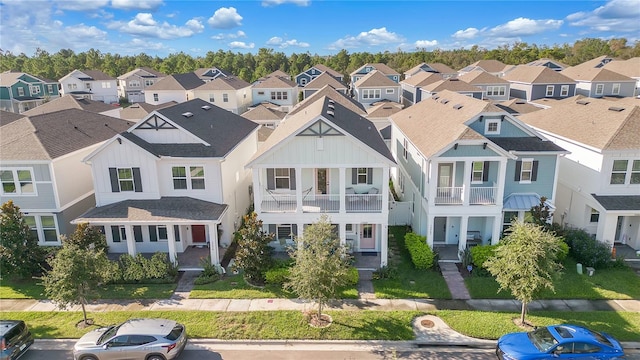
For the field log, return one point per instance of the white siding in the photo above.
(72, 177)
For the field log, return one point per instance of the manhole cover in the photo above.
(427, 323)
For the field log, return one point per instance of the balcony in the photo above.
(456, 195)
(315, 203)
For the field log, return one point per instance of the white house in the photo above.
(90, 84)
(173, 180)
(277, 89)
(176, 88)
(132, 85)
(228, 92)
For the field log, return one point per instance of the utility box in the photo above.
(590, 271)
(579, 268)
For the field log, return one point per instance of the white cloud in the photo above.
(136, 4)
(280, 2)
(241, 45)
(145, 25)
(616, 15)
(469, 33)
(525, 27)
(238, 34)
(373, 37)
(281, 43)
(426, 43)
(225, 18)
(80, 5)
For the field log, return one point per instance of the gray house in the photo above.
(493, 87)
(375, 86)
(412, 86)
(599, 82)
(452, 84)
(539, 82)
(321, 81)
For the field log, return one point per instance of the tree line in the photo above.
(251, 67)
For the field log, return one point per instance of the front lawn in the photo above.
(410, 283)
(607, 284)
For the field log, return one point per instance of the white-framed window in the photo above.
(188, 178)
(303, 81)
(477, 170)
(156, 97)
(44, 228)
(20, 91)
(125, 179)
(134, 83)
(635, 172)
(106, 85)
(526, 171)
(158, 233)
(594, 217)
(496, 90)
(492, 127)
(619, 172)
(148, 82)
(371, 94)
(599, 89)
(279, 95)
(17, 181)
(282, 178)
(50, 89)
(33, 226)
(72, 86)
(49, 229)
(549, 91)
(389, 91)
(34, 90)
(87, 86)
(405, 149)
(564, 90)
(362, 175)
(225, 97)
(349, 228)
(211, 98)
(615, 90)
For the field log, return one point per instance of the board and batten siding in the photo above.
(543, 185)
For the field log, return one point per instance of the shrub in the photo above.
(563, 251)
(421, 254)
(277, 275)
(480, 254)
(352, 276)
(137, 269)
(210, 273)
(385, 272)
(587, 250)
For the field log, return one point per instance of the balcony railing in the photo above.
(455, 195)
(354, 203)
(449, 195)
(483, 195)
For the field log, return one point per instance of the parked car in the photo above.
(15, 339)
(558, 342)
(148, 339)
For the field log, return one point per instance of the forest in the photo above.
(250, 66)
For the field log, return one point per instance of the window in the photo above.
(367, 231)
(279, 95)
(260, 92)
(492, 127)
(303, 81)
(34, 90)
(225, 97)
(477, 170)
(389, 91)
(125, 179)
(158, 233)
(211, 98)
(362, 175)
(17, 182)
(496, 90)
(405, 150)
(595, 216)
(635, 172)
(43, 228)
(616, 89)
(193, 179)
(549, 91)
(50, 89)
(87, 86)
(148, 82)
(371, 94)
(134, 83)
(564, 90)
(33, 227)
(106, 85)
(72, 86)
(349, 228)
(619, 172)
(49, 228)
(282, 178)
(599, 89)
(526, 171)
(20, 91)
(155, 97)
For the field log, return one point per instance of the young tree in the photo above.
(526, 262)
(321, 264)
(88, 237)
(20, 254)
(541, 213)
(253, 255)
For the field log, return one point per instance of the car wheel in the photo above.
(89, 357)
(155, 357)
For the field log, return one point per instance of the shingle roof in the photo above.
(224, 83)
(9, 78)
(7, 117)
(70, 102)
(49, 136)
(439, 67)
(422, 78)
(164, 209)
(144, 68)
(618, 202)
(375, 78)
(354, 124)
(220, 128)
(328, 70)
(334, 95)
(492, 66)
(542, 61)
(590, 121)
(262, 112)
(383, 109)
(517, 106)
(279, 73)
(383, 68)
(536, 75)
(594, 74)
(201, 71)
(186, 81)
(264, 133)
(275, 82)
(630, 67)
(325, 79)
(97, 75)
(138, 111)
(452, 84)
(479, 77)
(526, 144)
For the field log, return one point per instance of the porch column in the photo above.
(343, 206)
(462, 237)
(385, 194)
(131, 241)
(466, 182)
(433, 184)
(497, 229)
(213, 243)
(502, 169)
(257, 190)
(384, 245)
(430, 230)
(299, 189)
(171, 237)
(607, 228)
(342, 232)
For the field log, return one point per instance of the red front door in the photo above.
(198, 234)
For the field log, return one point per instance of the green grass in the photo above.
(607, 284)
(235, 287)
(410, 283)
(33, 289)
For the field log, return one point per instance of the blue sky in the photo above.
(161, 27)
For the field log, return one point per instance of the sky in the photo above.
(163, 27)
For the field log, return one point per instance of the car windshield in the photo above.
(111, 332)
(601, 338)
(542, 339)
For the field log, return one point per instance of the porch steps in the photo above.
(454, 281)
(365, 286)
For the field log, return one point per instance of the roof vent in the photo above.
(615, 108)
(435, 97)
(187, 114)
(330, 106)
(454, 79)
(330, 112)
(331, 101)
(206, 107)
(583, 102)
(458, 106)
(444, 101)
(387, 107)
(520, 102)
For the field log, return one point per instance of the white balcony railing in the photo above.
(455, 195)
(363, 202)
(272, 202)
(483, 195)
(449, 195)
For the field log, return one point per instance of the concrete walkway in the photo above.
(454, 281)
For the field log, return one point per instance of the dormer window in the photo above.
(492, 127)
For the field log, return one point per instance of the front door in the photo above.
(198, 234)
(322, 181)
(439, 229)
(367, 237)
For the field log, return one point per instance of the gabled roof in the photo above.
(629, 67)
(142, 71)
(275, 82)
(325, 79)
(492, 66)
(353, 124)
(452, 84)
(97, 75)
(186, 81)
(422, 78)
(517, 106)
(279, 73)
(334, 95)
(383, 109)
(434, 123)
(7, 117)
(329, 70)
(593, 74)
(479, 77)
(438, 67)
(137, 111)
(219, 128)
(600, 123)
(201, 72)
(536, 75)
(375, 78)
(543, 61)
(9, 78)
(224, 83)
(383, 68)
(70, 102)
(49, 136)
(262, 112)
(597, 62)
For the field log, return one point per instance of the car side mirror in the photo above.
(105, 346)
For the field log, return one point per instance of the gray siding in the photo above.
(469, 150)
(410, 165)
(71, 213)
(540, 91)
(45, 198)
(507, 128)
(543, 186)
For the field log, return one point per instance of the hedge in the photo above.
(421, 254)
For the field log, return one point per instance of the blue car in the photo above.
(558, 342)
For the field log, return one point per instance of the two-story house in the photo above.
(265, 114)
(321, 81)
(90, 84)
(325, 160)
(228, 92)
(600, 82)
(539, 82)
(375, 86)
(629, 67)
(313, 72)
(173, 180)
(20, 91)
(599, 181)
(211, 73)
(132, 85)
(493, 87)
(493, 67)
(72, 102)
(451, 84)
(41, 168)
(435, 68)
(365, 69)
(334, 95)
(176, 88)
(469, 168)
(412, 86)
(277, 89)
